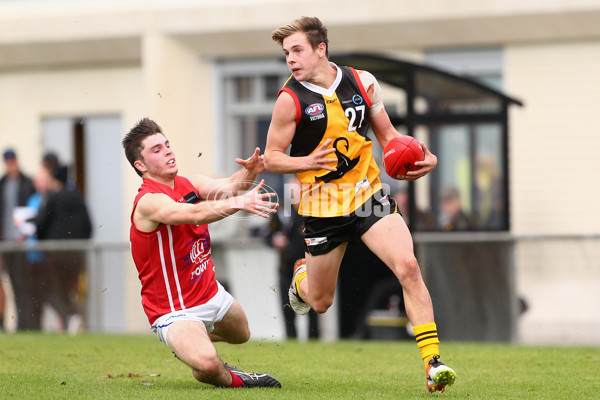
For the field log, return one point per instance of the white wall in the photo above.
(560, 281)
(554, 138)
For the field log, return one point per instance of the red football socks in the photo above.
(236, 381)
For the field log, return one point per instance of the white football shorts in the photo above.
(208, 313)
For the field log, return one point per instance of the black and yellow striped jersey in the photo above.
(340, 114)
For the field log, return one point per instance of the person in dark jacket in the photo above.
(452, 217)
(15, 189)
(64, 216)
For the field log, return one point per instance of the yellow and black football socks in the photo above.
(298, 278)
(427, 340)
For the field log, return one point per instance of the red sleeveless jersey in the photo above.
(173, 261)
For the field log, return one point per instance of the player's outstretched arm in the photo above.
(256, 201)
(239, 181)
(157, 208)
(251, 167)
(280, 135)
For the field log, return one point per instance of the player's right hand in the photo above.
(318, 160)
(257, 201)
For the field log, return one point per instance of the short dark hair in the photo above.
(132, 142)
(61, 174)
(9, 154)
(50, 161)
(315, 31)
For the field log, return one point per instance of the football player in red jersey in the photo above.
(186, 306)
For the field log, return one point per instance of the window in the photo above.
(481, 64)
(468, 188)
(247, 90)
(91, 147)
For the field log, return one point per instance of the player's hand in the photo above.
(255, 164)
(257, 201)
(425, 166)
(319, 160)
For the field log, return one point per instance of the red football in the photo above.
(400, 155)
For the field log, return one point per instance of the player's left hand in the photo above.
(254, 164)
(425, 166)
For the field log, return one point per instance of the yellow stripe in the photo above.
(427, 353)
(298, 278)
(420, 329)
(428, 341)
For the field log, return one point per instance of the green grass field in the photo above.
(90, 366)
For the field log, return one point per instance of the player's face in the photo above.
(158, 157)
(301, 59)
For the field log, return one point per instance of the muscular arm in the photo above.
(158, 208)
(241, 180)
(378, 118)
(280, 135)
(384, 130)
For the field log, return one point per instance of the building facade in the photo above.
(75, 76)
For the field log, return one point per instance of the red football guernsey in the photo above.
(173, 261)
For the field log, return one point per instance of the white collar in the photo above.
(327, 92)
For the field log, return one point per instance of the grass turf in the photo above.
(91, 366)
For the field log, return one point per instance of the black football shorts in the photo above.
(321, 235)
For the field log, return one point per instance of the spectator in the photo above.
(64, 216)
(50, 162)
(452, 217)
(15, 189)
(25, 221)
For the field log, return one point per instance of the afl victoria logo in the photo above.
(314, 109)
